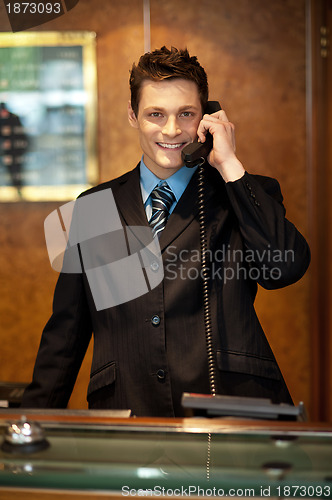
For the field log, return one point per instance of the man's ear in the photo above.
(132, 116)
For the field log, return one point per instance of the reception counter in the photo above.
(93, 455)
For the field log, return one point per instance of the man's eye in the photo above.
(186, 113)
(155, 114)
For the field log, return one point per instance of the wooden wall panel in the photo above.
(329, 135)
(254, 53)
(319, 161)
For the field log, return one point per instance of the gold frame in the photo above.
(87, 40)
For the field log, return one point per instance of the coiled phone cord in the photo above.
(205, 277)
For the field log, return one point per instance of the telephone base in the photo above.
(244, 407)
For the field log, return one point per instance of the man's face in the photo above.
(168, 116)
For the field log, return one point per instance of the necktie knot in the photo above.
(162, 198)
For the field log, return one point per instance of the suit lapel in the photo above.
(128, 197)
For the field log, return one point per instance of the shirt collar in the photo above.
(177, 182)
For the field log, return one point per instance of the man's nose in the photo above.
(171, 127)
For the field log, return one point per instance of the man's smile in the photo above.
(166, 145)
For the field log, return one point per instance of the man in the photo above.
(149, 350)
(13, 146)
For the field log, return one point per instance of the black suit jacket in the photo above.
(146, 364)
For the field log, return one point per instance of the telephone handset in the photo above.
(195, 154)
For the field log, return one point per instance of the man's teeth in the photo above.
(169, 146)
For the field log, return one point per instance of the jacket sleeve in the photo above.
(276, 252)
(62, 348)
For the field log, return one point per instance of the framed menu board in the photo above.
(47, 115)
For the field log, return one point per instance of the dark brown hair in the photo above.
(164, 63)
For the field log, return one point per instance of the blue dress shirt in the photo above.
(177, 182)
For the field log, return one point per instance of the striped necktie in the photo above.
(162, 198)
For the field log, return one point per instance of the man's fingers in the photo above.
(219, 115)
(218, 124)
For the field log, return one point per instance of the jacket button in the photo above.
(155, 320)
(161, 375)
(248, 186)
(257, 203)
(154, 266)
